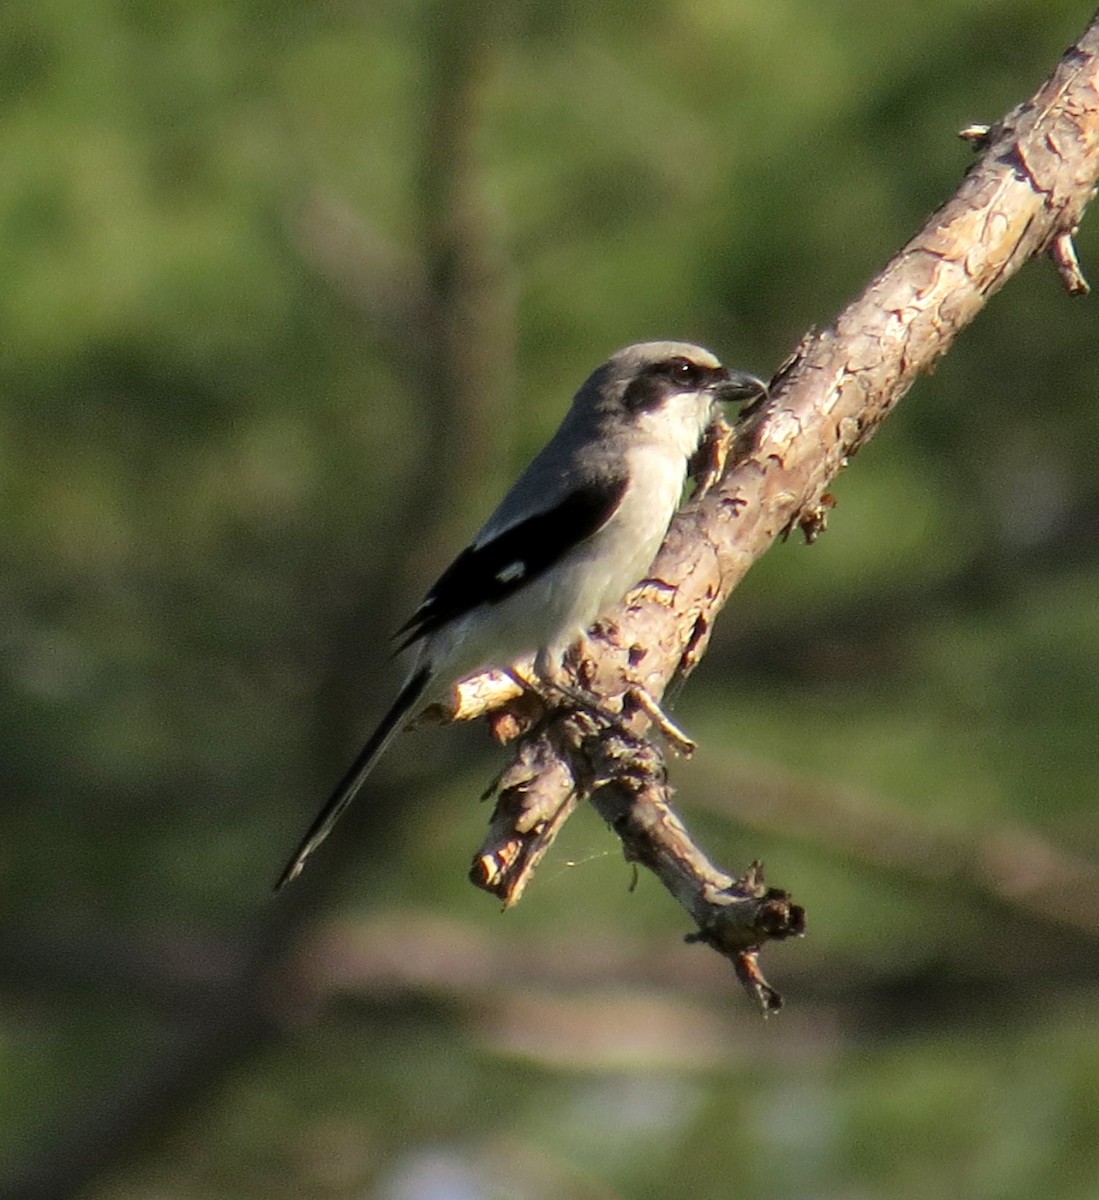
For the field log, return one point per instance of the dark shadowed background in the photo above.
(290, 293)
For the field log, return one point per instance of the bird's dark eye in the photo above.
(685, 373)
(655, 383)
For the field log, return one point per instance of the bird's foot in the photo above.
(557, 692)
(559, 695)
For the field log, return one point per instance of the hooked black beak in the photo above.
(739, 386)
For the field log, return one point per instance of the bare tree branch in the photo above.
(1024, 197)
(1009, 863)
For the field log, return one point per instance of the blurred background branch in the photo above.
(443, 317)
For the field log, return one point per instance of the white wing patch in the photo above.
(512, 572)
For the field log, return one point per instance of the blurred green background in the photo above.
(291, 290)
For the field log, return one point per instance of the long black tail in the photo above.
(349, 785)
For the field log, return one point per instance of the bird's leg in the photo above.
(546, 679)
(556, 686)
(526, 677)
(642, 698)
(553, 680)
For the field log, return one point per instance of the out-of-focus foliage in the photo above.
(223, 479)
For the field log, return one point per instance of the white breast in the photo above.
(553, 610)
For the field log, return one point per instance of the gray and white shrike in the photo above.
(578, 529)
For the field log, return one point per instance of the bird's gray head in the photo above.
(666, 390)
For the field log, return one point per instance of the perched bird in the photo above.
(579, 528)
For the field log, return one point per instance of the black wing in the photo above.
(490, 572)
